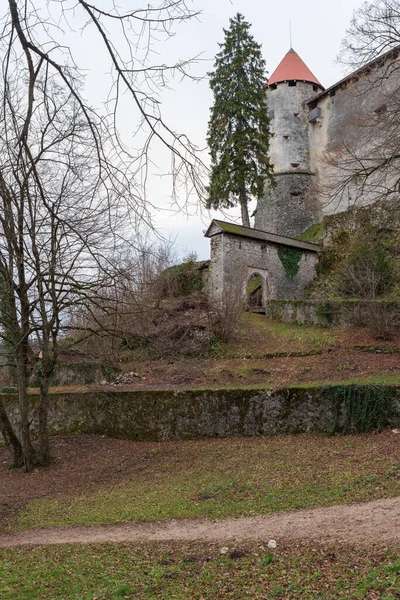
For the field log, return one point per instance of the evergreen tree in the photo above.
(238, 130)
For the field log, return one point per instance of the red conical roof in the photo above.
(292, 68)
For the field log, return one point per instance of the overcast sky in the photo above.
(318, 27)
(317, 30)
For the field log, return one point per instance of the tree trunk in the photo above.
(12, 442)
(26, 442)
(44, 444)
(244, 208)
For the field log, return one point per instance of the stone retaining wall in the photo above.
(327, 312)
(158, 415)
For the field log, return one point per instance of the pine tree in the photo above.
(238, 130)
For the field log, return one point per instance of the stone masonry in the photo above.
(235, 257)
(314, 132)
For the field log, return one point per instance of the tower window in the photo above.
(294, 165)
(292, 83)
(315, 88)
(273, 86)
(285, 137)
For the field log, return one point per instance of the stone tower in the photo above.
(290, 207)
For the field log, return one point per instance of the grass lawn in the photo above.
(230, 478)
(198, 571)
(257, 335)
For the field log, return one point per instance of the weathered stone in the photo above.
(234, 259)
(189, 414)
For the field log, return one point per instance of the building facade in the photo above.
(324, 143)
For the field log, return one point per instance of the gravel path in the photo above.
(366, 523)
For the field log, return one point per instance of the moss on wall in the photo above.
(159, 415)
(325, 313)
(314, 234)
(184, 279)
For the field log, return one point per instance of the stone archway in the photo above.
(256, 288)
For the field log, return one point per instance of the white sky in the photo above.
(318, 27)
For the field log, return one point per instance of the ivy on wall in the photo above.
(290, 258)
(362, 408)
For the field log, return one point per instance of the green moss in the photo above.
(313, 234)
(232, 228)
(254, 282)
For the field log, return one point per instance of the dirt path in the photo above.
(371, 522)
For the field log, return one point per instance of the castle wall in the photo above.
(176, 414)
(235, 258)
(318, 141)
(355, 121)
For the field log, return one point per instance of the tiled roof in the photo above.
(292, 68)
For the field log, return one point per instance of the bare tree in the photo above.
(59, 217)
(374, 30)
(123, 312)
(70, 189)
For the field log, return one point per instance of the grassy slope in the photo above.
(258, 336)
(228, 478)
(198, 571)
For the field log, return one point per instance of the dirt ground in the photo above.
(276, 355)
(273, 372)
(79, 463)
(371, 522)
(86, 463)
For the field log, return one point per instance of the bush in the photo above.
(224, 315)
(369, 272)
(185, 279)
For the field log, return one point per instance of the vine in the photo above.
(362, 408)
(290, 258)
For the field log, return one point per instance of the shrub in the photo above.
(224, 315)
(369, 272)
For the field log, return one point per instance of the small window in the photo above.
(292, 83)
(295, 165)
(285, 137)
(296, 114)
(315, 88)
(273, 86)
